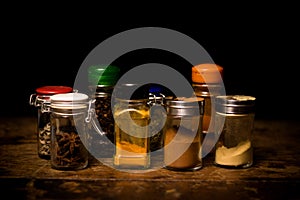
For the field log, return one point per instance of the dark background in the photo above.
(257, 47)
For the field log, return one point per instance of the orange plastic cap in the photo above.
(207, 73)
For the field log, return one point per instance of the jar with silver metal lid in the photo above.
(41, 97)
(68, 131)
(182, 134)
(234, 125)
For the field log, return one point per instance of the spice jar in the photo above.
(131, 133)
(132, 116)
(234, 125)
(68, 131)
(102, 80)
(206, 82)
(158, 95)
(182, 134)
(42, 96)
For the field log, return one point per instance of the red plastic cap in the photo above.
(54, 90)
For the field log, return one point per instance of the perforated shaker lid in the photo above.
(235, 104)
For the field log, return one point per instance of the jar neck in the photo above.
(101, 89)
(206, 90)
(132, 102)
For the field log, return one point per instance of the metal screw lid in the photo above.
(184, 106)
(235, 104)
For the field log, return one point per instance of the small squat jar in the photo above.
(68, 128)
(42, 97)
(182, 134)
(234, 125)
(132, 134)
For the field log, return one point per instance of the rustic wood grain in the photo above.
(274, 175)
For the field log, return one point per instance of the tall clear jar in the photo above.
(68, 131)
(158, 95)
(102, 80)
(132, 133)
(41, 97)
(182, 134)
(206, 82)
(234, 125)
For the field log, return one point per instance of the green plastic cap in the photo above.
(103, 75)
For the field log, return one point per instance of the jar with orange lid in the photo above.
(207, 79)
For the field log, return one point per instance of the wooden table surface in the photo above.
(274, 175)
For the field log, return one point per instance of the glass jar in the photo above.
(68, 131)
(234, 125)
(182, 134)
(103, 110)
(132, 133)
(102, 80)
(206, 82)
(158, 95)
(42, 96)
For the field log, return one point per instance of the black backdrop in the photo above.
(258, 54)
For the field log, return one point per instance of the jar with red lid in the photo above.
(40, 99)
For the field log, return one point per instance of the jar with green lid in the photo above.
(42, 97)
(68, 131)
(234, 124)
(182, 134)
(102, 80)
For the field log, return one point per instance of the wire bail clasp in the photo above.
(91, 117)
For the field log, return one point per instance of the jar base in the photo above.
(243, 166)
(46, 157)
(142, 162)
(68, 168)
(191, 169)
